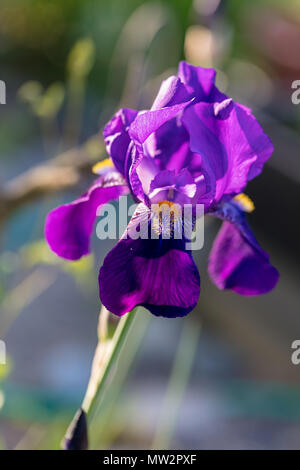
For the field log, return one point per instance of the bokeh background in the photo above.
(222, 377)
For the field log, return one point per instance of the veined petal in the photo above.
(236, 261)
(68, 228)
(155, 273)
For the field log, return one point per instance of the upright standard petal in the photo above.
(199, 80)
(168, 145)
(145, 124)
(236, 261)
(171, 92)
(68, 228)
(155, 273)
(230, 141)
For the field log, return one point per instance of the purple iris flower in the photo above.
(194, 146)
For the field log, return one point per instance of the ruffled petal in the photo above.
(199, 80)
(117, 139)
(236, 261)
(68, 228)
(230, 141)
(170, 143)
(157, 274)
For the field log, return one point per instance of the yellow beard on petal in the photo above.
(166, 218)
(245, 203)
(100, 166)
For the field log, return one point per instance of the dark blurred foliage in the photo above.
(37, 35)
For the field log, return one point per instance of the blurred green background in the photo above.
(222, 377)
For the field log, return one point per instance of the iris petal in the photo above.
(148, 122)
(236, 261)
(230, 141)
(199, 79)
(117, 139)
(157, 274)
(142, 127)
(172, 91)
(68, 228)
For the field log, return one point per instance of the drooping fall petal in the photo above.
(158, 274)
(236, 261)
(68, 228)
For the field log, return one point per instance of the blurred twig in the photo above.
(59, 173)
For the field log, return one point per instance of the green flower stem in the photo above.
(105, 357)
(109, 415)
